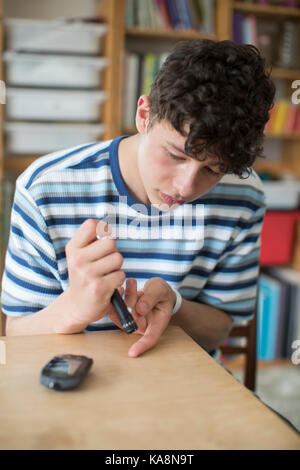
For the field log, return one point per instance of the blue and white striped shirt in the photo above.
(58, 192)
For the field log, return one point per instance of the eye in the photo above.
(175, 157)
(212, 172)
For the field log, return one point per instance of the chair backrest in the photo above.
(249, 332)
(2, 323)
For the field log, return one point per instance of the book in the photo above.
(246, 32)
(268, 39)
(267, 317)
(293, 321)
(184, 13)
(163, 13)
(174, 14)
(155, 19)
(282, 322)
(237, 27)
(290, 122)
(150, 69)
(280, 117)
(296, 127)
(289, 50)
(285, 306)
(131, 75)
(199, 8)
(252, 26)
(196, 21)
(143, 14)
(208, 19)
(130, 14)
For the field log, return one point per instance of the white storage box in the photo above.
(54, 35)
(53, 105)
(25, 69)
(282, 194)
(36, 138)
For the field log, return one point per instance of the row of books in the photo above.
(284, 118)
(141, 69)
(278, 41)
(177, 14)
(139, 73)
(278, 313)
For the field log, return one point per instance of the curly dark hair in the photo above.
(223, 92)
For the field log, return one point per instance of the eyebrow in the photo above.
(177, 148)
(182, 151)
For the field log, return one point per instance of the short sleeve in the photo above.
(30, 281)
(232, 285)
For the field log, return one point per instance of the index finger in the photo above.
(85, 234)
(155, 291)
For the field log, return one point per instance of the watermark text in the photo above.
(296, 354)
(296, 95)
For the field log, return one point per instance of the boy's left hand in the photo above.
(151, 309)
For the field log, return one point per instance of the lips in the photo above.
(169, 200)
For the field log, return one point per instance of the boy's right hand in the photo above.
(94, 268)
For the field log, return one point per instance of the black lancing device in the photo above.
(124, 316)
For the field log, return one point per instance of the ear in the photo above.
(142, 114)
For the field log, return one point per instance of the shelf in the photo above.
(277, 168)
(285, 136)
(288, 74)
(168, 33)
(18, 163)
(270, 10)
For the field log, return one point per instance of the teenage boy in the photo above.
(198, 135)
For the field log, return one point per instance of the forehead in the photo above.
(175, 141)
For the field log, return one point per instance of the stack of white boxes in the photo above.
(53, 74)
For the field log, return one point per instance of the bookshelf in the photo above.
(117, 38)
(289, 142)
(113, 13)
(285, 73)
(267, 10)
(167, 33)
(224, 12)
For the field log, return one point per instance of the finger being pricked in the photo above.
(156, 291)
(140, 320)
(131, 297)
(131, 292)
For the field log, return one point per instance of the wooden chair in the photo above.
(249, 332)
(2, 323)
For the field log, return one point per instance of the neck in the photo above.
(128, 162)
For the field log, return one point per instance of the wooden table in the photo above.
(173, 397)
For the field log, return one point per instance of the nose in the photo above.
(185, 183)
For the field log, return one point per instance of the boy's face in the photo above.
(168, 175)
